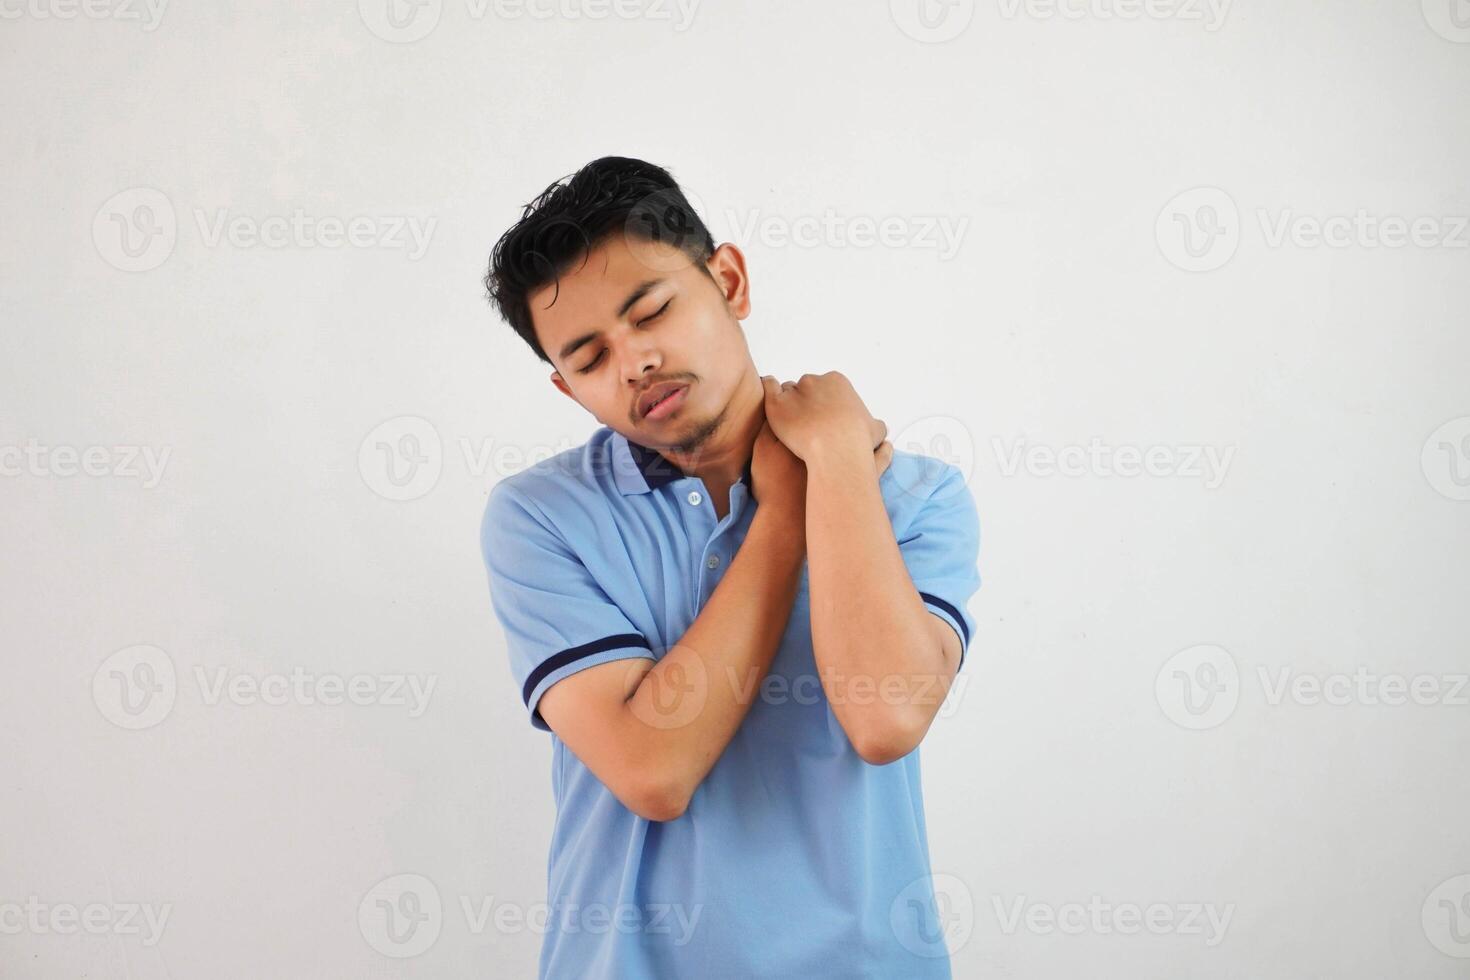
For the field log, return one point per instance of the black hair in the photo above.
(573, 215)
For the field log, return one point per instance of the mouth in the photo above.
(662, 400)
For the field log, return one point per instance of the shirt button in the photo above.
(712, 562)
(695, 497)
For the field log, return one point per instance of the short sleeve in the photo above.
(557, 619)
(941, 547)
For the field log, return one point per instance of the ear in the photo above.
(561, 385)
(727, 266)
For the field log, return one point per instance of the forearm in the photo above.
(691, 703)
(871, 638)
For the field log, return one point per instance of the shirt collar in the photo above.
(638, 469)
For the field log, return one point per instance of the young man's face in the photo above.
(679, 327)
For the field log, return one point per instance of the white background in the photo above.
(1076, 762)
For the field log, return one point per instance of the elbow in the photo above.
(881, 752)
(881, 744)
(659, 802)
(662, 809)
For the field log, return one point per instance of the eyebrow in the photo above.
(640, 291)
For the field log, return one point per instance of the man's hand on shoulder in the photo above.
(819, 413)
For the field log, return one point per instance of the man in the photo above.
(736, 608)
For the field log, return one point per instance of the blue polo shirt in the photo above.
(794, 857)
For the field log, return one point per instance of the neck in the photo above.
(721, 457)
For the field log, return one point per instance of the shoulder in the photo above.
(923, 491)
(914, 478)
(563, 483)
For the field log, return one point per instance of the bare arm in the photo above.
(896, 660)
(886, 662)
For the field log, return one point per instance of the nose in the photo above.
(640, 359)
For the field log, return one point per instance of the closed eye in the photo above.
(657, 313)
(598, 359)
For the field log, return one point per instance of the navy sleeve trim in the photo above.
(934, 600)
(558, 660)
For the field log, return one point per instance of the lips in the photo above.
(656, 394)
